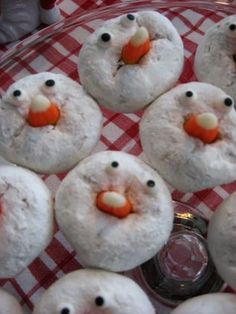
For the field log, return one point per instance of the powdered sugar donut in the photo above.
(114, 210)
(48, 123)
(130, 60)
(212, 303)
(94, 291)
(189, 136)
(215, 58)
(8, 304)
(26, 219)
(222, 240)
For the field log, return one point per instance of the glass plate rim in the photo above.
(78, 19)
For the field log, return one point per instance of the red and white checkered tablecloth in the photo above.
(58, 53)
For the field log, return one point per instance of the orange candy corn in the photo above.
(203, 126)
(137, 47)
(113, 203)
(42, 112)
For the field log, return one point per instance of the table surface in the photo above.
(120, 132)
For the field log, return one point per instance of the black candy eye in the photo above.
(232, 27)
(151, 183)
(50, 83)
(189, 93)
(65, 310)
(105, 37)
(130, 17)
(228, 102)
(114, 164)
(99, 301)
(16, 93)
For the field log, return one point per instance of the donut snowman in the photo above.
(47, 118)
(122, 62)
(215, 56)
(19, 18)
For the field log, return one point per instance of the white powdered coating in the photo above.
(49, 149)
(131, 87)
(102, 240)
(78, 291)
(214, 62)
(212, 303)
(8, 304)
(184, 161)
(222, 240)
(26, 219)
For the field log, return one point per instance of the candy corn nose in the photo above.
(137, 47)
(42, 112)
(113, 203)
(203, 126)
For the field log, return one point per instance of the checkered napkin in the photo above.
(58, 53)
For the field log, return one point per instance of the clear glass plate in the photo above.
(56, 49)
(183, 268)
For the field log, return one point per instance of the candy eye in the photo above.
(128, 20)
(105, 40)
(115, 164)
(151, 183)
(99, 301)
(16, 93)
(105, 37)
(17, 97)
(130, 17)
(65, 310)
(111, 167)
(228, 102)
(232, 27)
(50, 83)
(189, 97)
(189, 94)
(49, 86)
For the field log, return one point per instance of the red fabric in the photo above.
(47, 4)
(120, 132)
